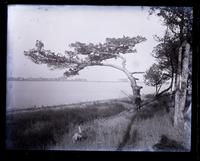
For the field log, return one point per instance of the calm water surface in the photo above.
(26, 94)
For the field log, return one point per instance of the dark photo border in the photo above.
(94, 155)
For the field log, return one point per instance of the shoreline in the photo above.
(106, 124)
(69, 106)
(83, 104)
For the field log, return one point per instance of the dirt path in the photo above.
(128, 135)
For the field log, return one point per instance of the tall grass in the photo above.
(105, 126)
(155, 121)
(40, 129)
(100, 134)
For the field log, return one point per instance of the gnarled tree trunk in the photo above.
(129, 76)
(133, 87)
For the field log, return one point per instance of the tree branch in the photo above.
(85, 55)
(111, 65)
(123, 61)
(137, 73)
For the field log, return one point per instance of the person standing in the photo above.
(138, 97)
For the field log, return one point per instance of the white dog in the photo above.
(78, 135)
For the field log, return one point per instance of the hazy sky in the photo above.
(58, 26)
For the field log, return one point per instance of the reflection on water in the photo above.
(25, 94)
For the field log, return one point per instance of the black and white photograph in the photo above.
(99, 78)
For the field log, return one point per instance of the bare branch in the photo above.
(137, 73)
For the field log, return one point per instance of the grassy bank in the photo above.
(152, 128)
(149, 129)
(106, 125)
(101, 134)
(43, 128)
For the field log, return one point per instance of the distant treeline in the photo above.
(59, 79)
(43, 79)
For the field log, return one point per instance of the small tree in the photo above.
(155, 77)
(84, 55)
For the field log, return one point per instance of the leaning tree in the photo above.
(84, 55)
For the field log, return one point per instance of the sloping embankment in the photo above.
(40, 128)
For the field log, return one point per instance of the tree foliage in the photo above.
(178, 22)
(166, 54)
(82, 54)
(155, 77)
